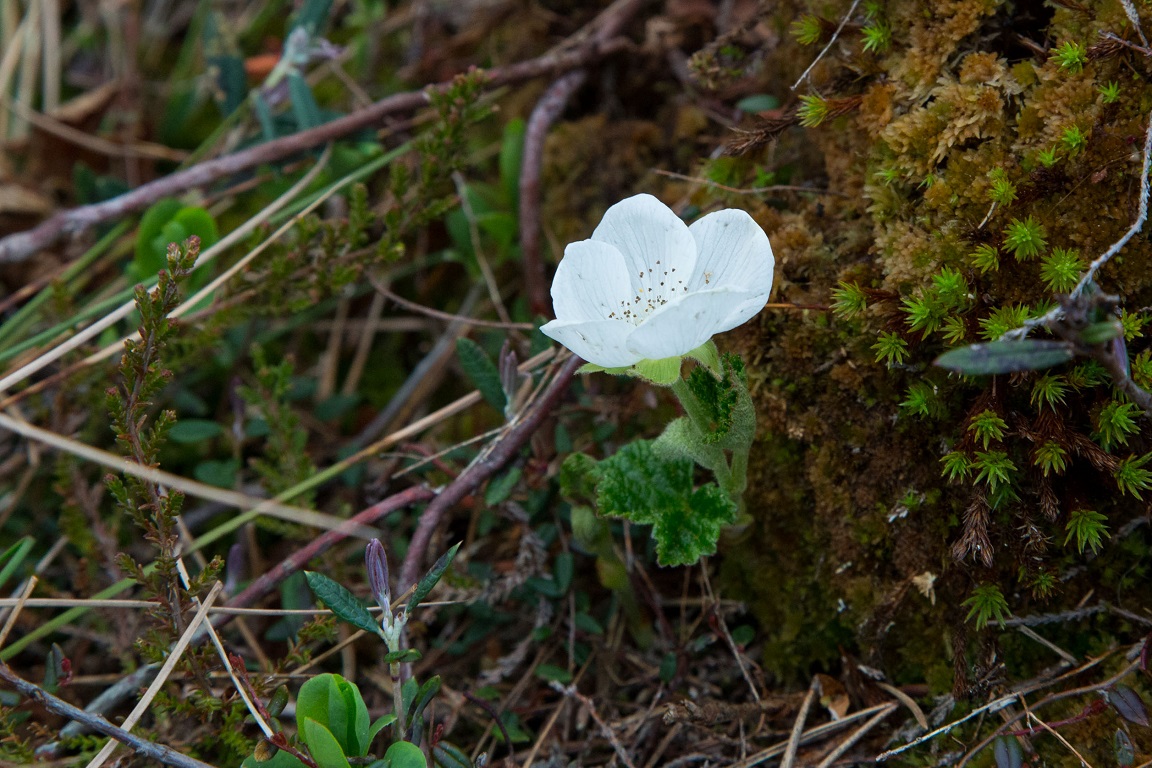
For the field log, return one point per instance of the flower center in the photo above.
(656, 288)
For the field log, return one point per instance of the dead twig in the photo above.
(23, 245)
(546, 112)
(141, 746)
(490, 462)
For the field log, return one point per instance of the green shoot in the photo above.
(1060, 270)
(987, 426)
(891, 348)
(1049, 391)
(957, 466)
(1115, 422)
(986, 603)
(1131, 477)
(1070, 56)
(1051, 457)
(1025, 238)
(985, 258)
(994, 468)
(849, 300)
(1087, 527)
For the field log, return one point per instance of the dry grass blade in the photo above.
(162, 677)
(190, 487)
(233, 237)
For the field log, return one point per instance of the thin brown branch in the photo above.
(546, 112)
(470, 479)
(267, 582)
(591, 47)
(141, 746)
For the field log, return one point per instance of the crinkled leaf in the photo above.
(425, 585)
(681, 438)
(482, 372)
(724, 398)
(342, 602)
(578, 476)
(640, 485)
(405, 754)
(1005, 357)
(323, 746)
(1128, 704)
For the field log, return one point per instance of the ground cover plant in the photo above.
(294, 471)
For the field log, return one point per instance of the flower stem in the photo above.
(717, 461)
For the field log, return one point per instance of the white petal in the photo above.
(603, 342)
(591, 282)
(657, 246)
(732, 251)
(681, 326)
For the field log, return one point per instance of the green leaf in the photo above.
(194, 431)
(220, 473)
(482, 372)
(342, 602)
(13, 557)
(511, 158)
(337, 706)
(499, 489)
(662, 372)
(380, 724)
(168, 221)
(761, 102)
(402, 657)
(425, 585)
(446, 755)
(553, 673)
(638, 484)
(405, 754)
(304, 106)
(1005, 357)
(323, 746)
(423, 697)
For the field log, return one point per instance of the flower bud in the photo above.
(377, 563)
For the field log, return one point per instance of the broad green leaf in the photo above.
(336, 704)
(638, 484)
(1005, 357)
(342, 602)
(323, 746)
(194, 431)
(405, 754)
(13, 557)
(482, 372)
(169, 221)
(404, 656)
(425, 585)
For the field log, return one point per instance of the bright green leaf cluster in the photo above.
(985, 258)
(986, 603)
(808, 29)
(1131, 477)
(1133, 324)
(1048, 157)
(891, 348)
(957, 465)
(1087, 528)
(994, 468)
(1071, 56)
(1002, 191)
(1049, 391)
(1025, 238)
(1073, 139)
(1109, 92)
(813, 110)
(1051, 457)
(1060, 270)
(1002, 320)
(987, 426)
(849, 300)
(1115, 422)
(922, 400)
(877, 37)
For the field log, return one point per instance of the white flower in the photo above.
(647, 287)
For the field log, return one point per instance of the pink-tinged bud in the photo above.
(377, 563)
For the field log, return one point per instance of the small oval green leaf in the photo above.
(1005, 357)
(342, 602)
